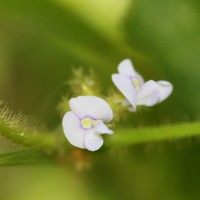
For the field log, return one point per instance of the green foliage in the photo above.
(168, 32)
(21, 157)
(43, 41)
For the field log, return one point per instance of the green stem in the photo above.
(154, 134)
(42, 141)
(49, 143)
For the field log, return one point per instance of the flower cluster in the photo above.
(84, 125)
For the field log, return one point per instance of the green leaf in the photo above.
(26, 156)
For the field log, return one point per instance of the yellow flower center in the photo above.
(136, 83)
(89, 123)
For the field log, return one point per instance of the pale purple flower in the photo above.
(137, 92)
(84, 125)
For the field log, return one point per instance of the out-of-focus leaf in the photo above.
(169, 32)
(46, 40)
(104, 16)
(66, 25)
(26, 156)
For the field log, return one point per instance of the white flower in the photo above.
(84, 125)
(136, 91)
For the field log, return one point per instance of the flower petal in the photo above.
(126, 87)
(72, 130)
(91, 106)
(126, 68)
(101, 128)
(92, 140)
(165, 88)
(148, 94)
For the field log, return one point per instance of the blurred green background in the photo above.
(41, 41)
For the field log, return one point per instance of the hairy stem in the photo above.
(41, 141)
(49, 143)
